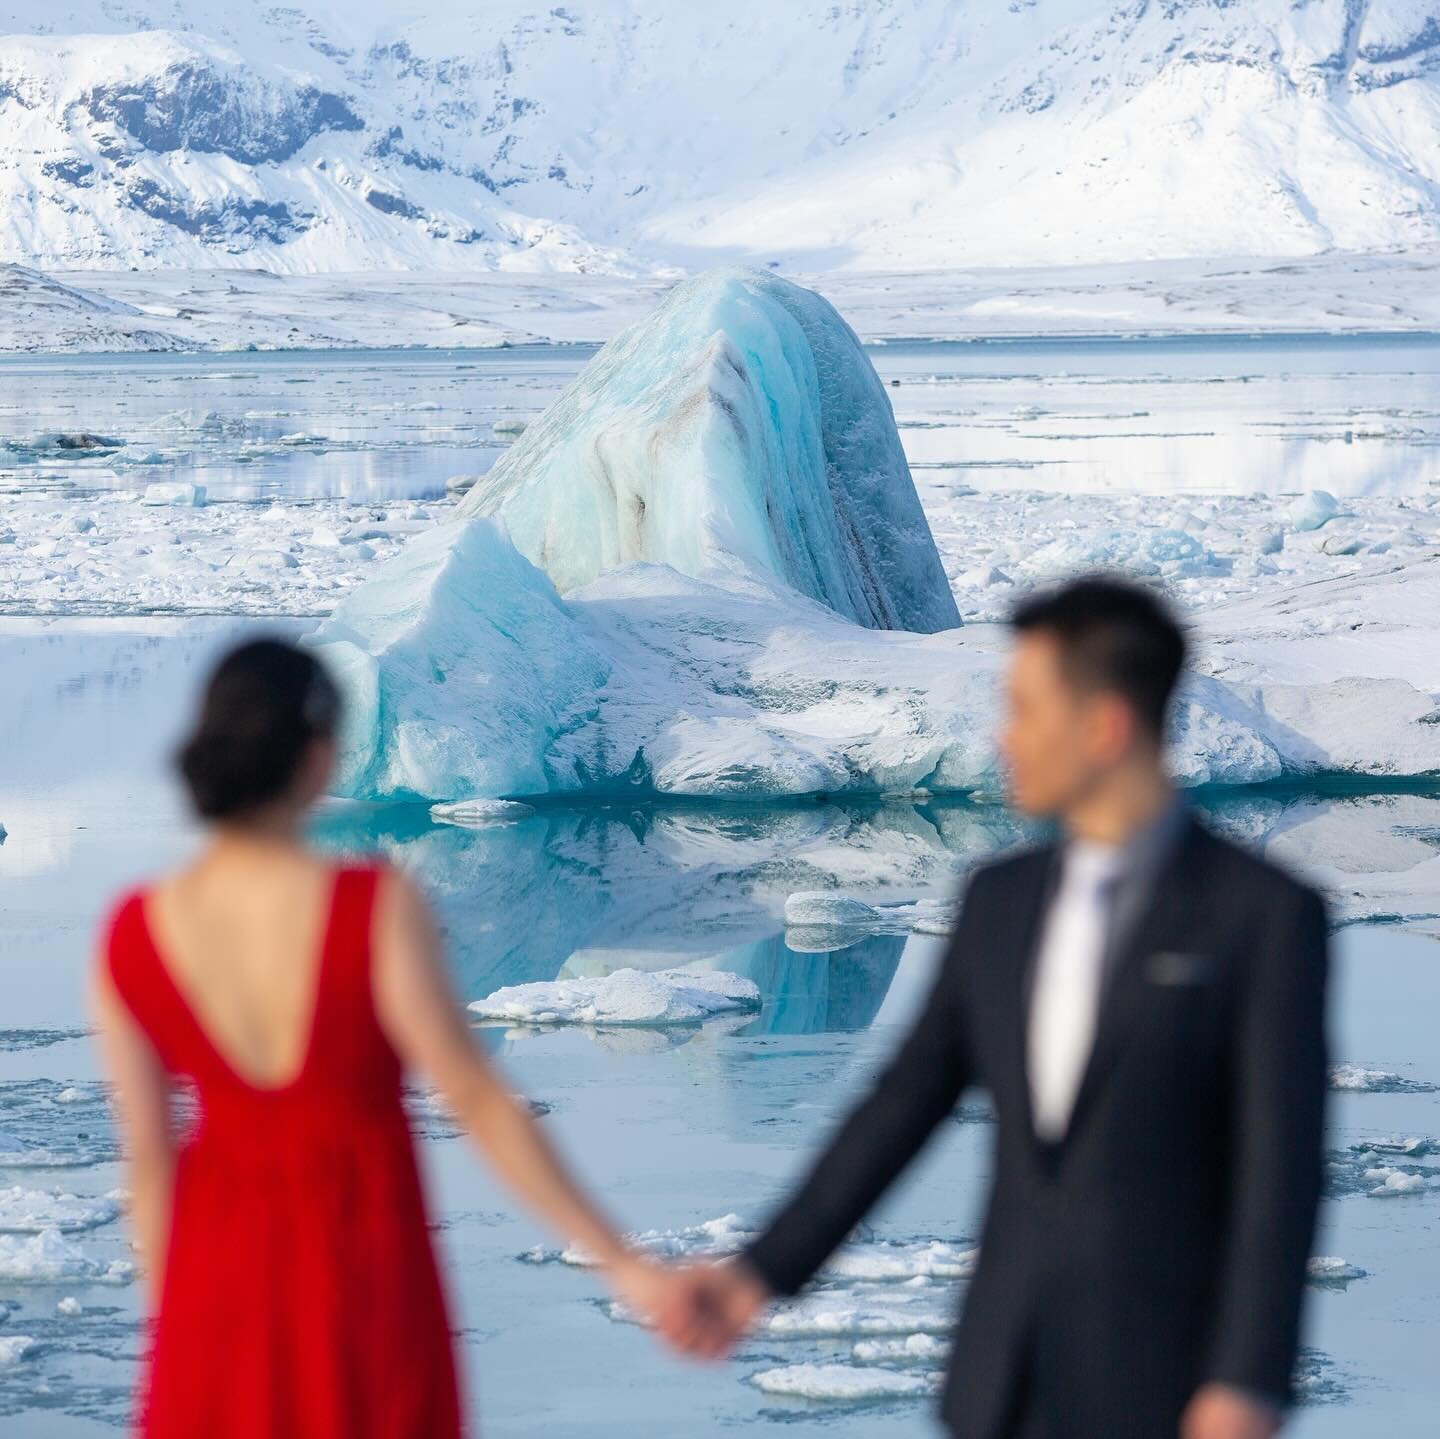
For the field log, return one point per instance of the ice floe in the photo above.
(50, 1258)
(31, 1211)
(1363, 1079)
(913, 1349)
(173, 492)
(624, 997)
(1332, 1271)
(14, 1348)
(41, 1130)
(1382, 1169)
(844, 1383)
(473, 813)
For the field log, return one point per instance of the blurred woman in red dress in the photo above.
(295, 1289)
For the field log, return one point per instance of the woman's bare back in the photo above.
(240, 933)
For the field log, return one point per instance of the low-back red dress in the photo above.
(301, 1297)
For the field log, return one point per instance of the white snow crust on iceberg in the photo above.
(739, 425)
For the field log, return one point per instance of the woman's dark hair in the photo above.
(1113, 634)
(263, 705)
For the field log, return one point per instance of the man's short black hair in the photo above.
(1114, 634)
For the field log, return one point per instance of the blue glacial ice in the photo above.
(459, 663)
(704, 571)
(739, 425)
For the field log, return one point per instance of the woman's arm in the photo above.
(423, 1020)
(141, 1094)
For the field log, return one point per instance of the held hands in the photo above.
(702, 1310)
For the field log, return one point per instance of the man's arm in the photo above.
(880, 1136)
(1279, 1082)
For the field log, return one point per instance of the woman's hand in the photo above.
(648, 1288)
(702, 1310)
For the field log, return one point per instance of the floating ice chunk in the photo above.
(740, 424)
(13, 1348)
(626, 997)
(473, 813)
(1312, 509)
(982, 577)
(913, 1349)
(830, 912)
(1143, 552)
(1376, 1081)
(1415, 1146)
(77, 440)
(889, 1260)
(711, 1239)
(928, 916)
(173, 492)
(844, 1383)
(509, 427)
(48, 1257)
(1396, 1181)
(828, 907)
(836, 1313)
(30, 1211)
(460, 484)
(1330, 1269)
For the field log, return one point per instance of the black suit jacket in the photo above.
(1162, 1242)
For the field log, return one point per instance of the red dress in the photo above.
(301, 1295)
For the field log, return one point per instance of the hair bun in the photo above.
(265, 702)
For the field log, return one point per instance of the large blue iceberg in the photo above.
(705, 571)
(738, 425)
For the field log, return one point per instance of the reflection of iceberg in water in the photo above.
(807, 993)
(584, 892)
(589, 890)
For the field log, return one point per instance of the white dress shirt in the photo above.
(1069, 969)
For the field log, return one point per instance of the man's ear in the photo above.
(1117, 724)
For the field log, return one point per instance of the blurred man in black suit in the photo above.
(1144, 1001)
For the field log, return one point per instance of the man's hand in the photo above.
(1218, 1411)
(710, 1308)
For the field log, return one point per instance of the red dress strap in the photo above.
(129, 962)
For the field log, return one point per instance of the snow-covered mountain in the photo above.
(627, 135)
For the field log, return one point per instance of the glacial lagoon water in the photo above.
(1351, 414)
(677, 1129)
